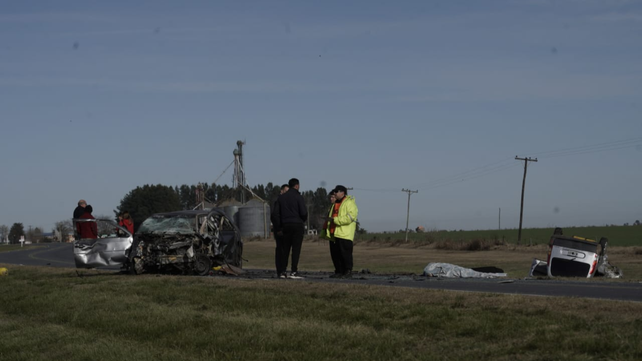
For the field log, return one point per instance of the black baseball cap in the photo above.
(340, 188)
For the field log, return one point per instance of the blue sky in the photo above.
(97, 98)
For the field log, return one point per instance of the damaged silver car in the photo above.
(186, 242)
(108, 250)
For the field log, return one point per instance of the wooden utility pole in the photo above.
(521, 209)
(408, 213)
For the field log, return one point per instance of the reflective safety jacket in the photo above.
(345, 222)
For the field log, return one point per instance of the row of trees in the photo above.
(149, 199)
(17, 231)
(144, 201)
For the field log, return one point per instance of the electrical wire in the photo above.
(587, 149)
(509, 163)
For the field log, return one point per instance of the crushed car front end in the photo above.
(186, 242)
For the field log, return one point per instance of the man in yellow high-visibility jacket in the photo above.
(341, 226)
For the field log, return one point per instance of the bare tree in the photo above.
(4, 233)
(63, 230)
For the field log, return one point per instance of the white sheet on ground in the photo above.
(448, 270)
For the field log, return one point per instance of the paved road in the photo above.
(61, 255)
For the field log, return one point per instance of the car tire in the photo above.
(202, 265)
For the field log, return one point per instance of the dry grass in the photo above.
(411, 257)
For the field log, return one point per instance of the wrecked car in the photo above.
(187, 242)
(109, 249)
(575, 257)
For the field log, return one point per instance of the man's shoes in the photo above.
(295, 276)
(347, 274)
(281, 275)
(336, 275)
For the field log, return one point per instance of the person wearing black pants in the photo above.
(279, 259)
(292, 239)
(290, 216)
(341, 254)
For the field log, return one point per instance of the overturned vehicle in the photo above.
(573, 256)
(185, 242)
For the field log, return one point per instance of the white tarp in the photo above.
(447, 270)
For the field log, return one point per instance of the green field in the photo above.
(54, 314)
(620, 236)
(16, 247)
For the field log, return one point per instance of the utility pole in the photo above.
(499, 219)
(408, 213)
(521, 209)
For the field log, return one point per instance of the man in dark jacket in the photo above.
(279, 260)
(291, 215)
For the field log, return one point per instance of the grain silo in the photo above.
(254, 219)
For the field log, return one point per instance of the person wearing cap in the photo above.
(279, 260)
(342, 224)
(289, 221)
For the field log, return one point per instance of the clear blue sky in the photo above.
(99, 97)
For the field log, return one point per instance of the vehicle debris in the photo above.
(187, 242)
(575, 257)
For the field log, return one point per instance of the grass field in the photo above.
(392, 257)
(53, 314)
(620, 236)
(15, 247)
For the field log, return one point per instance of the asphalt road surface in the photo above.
(61, 255)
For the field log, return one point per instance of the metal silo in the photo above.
(254, 219)
(232, 213)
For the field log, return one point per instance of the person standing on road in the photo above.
(279, 260)
(292, 214)
(342, 224)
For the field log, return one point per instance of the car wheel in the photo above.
(202, 265)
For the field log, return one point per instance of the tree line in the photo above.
(143, 201)
(149, 199)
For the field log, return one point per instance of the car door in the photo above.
(108, 250)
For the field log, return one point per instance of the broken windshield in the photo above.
(171, 225)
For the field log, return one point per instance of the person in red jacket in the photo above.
(87, 229)
(125, 220)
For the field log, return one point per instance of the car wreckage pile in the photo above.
(186, 242)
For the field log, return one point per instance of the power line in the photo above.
(507, 163)
(594, 148)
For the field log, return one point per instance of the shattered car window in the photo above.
(187, 242)
(170, 225)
